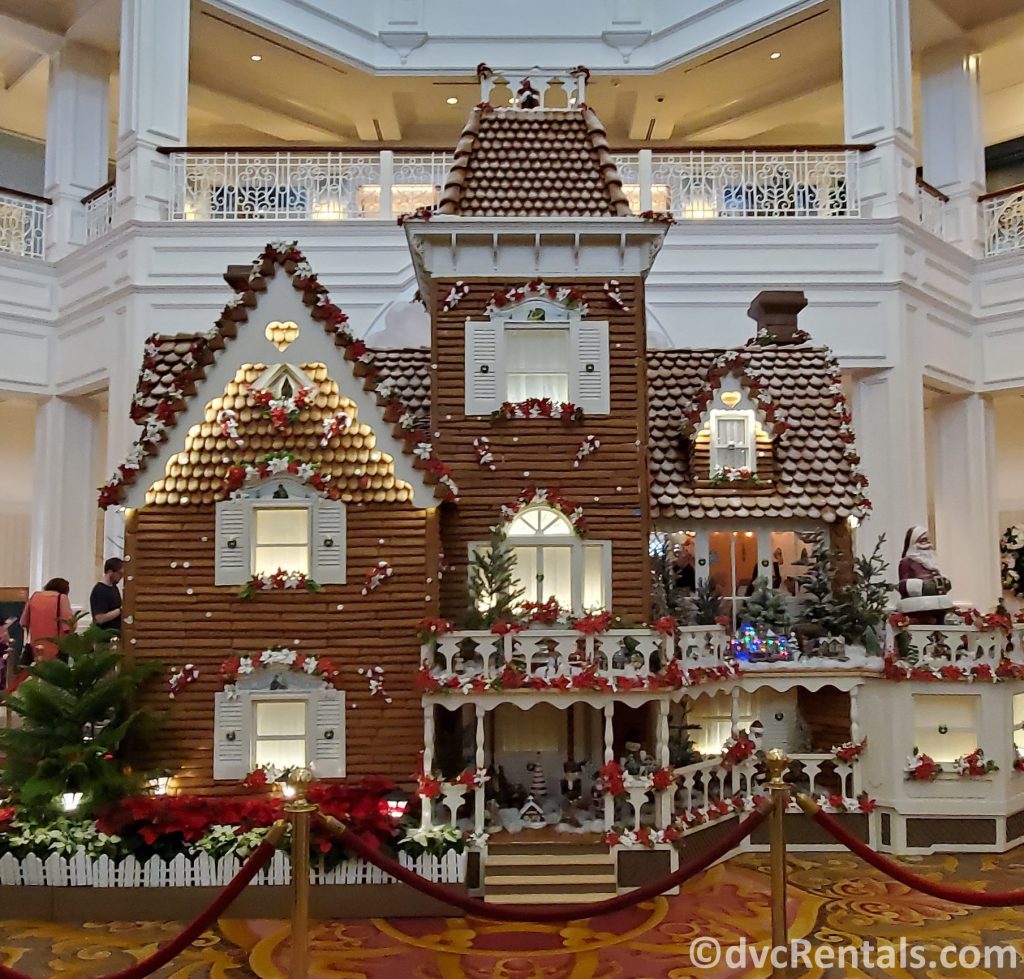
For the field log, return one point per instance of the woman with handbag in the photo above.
(47, 617)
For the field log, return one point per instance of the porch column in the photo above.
(952, 142)
(64, 514)
(855, 715)
(153, 108)
(966, 519)
(878, 103)
(478, 799)
(888, 414)
(664, 801)
(426, 820)
(77, 135)
(609, 756)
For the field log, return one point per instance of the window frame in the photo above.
(303, 697)
(535, 326)
(292, 503)
(577, 561)
(749, 418)
(920, 698)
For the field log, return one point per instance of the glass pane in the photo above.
(520, 387)
(267, 560)
(746, 561)
(526, 572)
(555, 524)
(731, 431)
(540, 520)
(283, 754)
(557, 568)
(544, 351)
(956, 716)
(280, 718)
(1018, 719)
(282, 525)
(593, 577)
(720, 560)
(524, 525)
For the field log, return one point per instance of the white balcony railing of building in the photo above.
(931, 209)
(965, 647)
(736, 182)
(99, 211)
(327, 185)
(563, 658)
(331, 185)
(22, 223)
(1002, 216)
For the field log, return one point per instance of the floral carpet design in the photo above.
(833, 899)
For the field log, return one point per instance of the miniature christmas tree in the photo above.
(538, 783)
(820, 607)
(76, 722)
(707, 602)
(863, 602)
(766, 609)
(494, 590)
(667, 597)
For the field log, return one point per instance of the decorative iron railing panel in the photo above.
(22, 225)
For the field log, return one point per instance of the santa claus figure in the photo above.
(924, 590)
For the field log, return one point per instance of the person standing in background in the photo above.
(105, 599)
(46, 617)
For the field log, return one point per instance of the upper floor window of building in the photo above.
(516, 356)
(733, 440)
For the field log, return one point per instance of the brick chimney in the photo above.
(775, 313)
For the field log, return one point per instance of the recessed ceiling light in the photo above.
(775, 55)
(452, 100)
(255, 57)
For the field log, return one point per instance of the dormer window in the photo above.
(280, 538)
(732, 441)
(537, 363)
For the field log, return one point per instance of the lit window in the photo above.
(714, 717)
(1018, 722)
(551, 561)
(732, 440)
(281, 540)
(537, 364)
(280, 733)
(945, 725)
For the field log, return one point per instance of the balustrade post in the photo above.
(428, 762)
(777, 762)
(300, 811)
(480, 759)
(855, 715)
(609, 755)
(387, 183)
(645, 178)
(663, 800)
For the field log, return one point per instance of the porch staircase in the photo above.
(548, 873)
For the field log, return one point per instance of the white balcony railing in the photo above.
(1003, 220)
(931, 209)
(331, 185)
(278, 185)
(564, 658)
(22, 224)
(700, 785)
(99, 211)
(965, 647)
(710, 183)
(823, 774)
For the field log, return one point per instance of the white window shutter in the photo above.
(231, 748)
(592, 375)
(328, 758)
(482, 342)
(328, 562)
(233, 559)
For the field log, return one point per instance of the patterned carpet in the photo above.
(833, 900)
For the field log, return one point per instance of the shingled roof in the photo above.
(816, 463)
(533, 163)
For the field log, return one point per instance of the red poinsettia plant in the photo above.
(974, 765)
(849, 751)
(430, 629)
(737, 748)
(667, 625)
(922, 768)
(593, 623)
(612, 777)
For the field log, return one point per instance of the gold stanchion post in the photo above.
(300, 811)
(777, 761)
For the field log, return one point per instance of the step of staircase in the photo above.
(549, 873)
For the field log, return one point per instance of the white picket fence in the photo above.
(81, 870)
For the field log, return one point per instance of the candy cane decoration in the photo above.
(587, 447)
(612, 291)
(338, 425)
(228, 422)
(482, 444)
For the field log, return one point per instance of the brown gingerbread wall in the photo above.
(611, 485)
(180, 617)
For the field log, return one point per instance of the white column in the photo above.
(153, 104)
(878, 102)
(966, 520)
(952, 142)
(77, 141)
(479, 760)
(64, 513)
(609, 755)
(888, 414)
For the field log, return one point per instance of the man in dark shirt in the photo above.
(105, 600)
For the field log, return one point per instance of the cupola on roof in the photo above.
(531, 159)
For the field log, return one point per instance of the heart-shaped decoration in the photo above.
(281, 334)
(729, 398)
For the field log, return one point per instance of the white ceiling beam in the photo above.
(17, 64)
(26, 34)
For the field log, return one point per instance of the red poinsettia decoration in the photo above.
(593, 623)
(666, 625)
(611, 775)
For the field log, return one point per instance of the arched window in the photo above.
(552, 561)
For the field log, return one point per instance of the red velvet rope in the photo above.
(561, 912)
(945, 892)
(260, 856)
